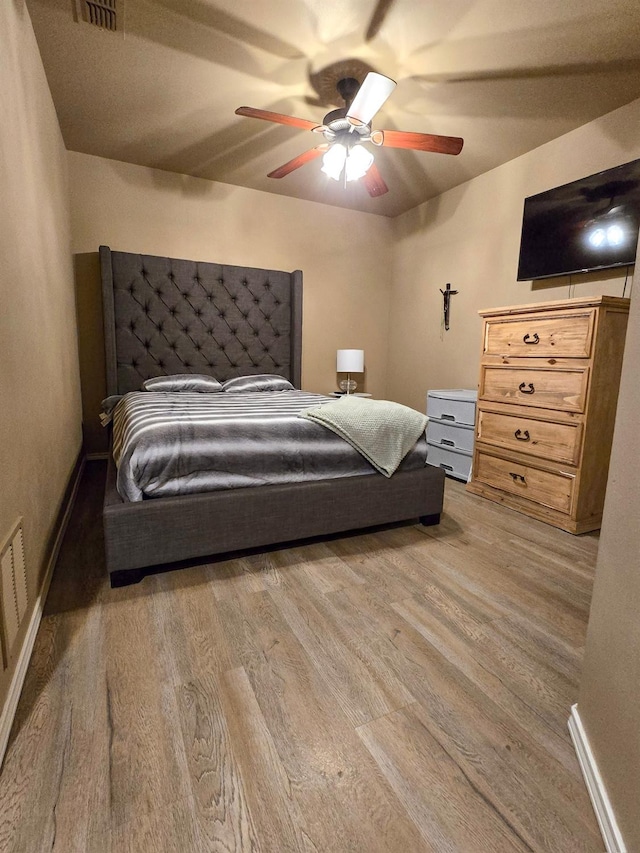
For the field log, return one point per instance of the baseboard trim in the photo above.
(24, 656)
(605, 815)
(97, 457)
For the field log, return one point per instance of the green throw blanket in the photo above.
(383, 432)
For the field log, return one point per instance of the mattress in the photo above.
(168, 444)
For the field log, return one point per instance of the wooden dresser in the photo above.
(547, 397)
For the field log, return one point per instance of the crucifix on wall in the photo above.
(446, 298)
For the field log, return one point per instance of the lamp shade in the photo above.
(350, 361)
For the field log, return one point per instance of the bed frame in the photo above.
(164, 316)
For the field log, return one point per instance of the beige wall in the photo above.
(609, 702)
(344, 256)
(470, 236)
(39, 383)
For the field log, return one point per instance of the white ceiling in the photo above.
(506, 75)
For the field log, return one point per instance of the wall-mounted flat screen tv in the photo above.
(591, 224)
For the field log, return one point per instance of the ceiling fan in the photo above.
(348, 128)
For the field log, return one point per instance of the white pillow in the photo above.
(183, 382)
(260, 382)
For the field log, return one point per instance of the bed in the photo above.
(166, 316)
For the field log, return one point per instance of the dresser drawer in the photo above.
(566, 336)
(552, 489)
(553, 388)
(559, 442)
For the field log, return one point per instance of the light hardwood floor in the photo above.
(400, 690)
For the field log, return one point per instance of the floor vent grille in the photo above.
(13, 589)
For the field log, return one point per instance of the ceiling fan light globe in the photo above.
(333, 161)
(358, 163)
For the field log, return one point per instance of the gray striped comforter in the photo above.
(183, 443)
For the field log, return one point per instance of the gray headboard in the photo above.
(165, 316)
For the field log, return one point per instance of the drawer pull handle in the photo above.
(517, 477)
(531, 340)
(526, 389)
(447, 441)
(522, 436)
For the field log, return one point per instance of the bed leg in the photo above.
(126, 577)
(430, 520)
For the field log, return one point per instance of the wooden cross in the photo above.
(446, 295)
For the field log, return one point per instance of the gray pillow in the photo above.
(183, 382)
(261, 382)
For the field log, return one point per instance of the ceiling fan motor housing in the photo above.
(335, 116)
(340, 129)
(347, 89)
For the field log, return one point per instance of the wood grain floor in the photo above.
(401, 690)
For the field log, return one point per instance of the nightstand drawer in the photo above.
(457, 463)
(457, 405)
(567, 336)
(554, 388)
(552, 489)
(559, 442)
(451, 435)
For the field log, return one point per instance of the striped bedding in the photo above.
(167, 444)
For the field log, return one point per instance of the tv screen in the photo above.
(591, 224)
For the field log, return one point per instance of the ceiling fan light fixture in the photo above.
(333, 161)
(354, 162)
(359, 161)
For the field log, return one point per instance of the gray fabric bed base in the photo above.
(153, 533)
(166, 315)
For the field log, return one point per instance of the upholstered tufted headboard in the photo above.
(164, 316)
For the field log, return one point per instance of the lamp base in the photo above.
(348, 385)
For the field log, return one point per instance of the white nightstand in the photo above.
(450, 431)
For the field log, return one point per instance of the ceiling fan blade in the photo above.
(377, 19)
(374, 91)
(298, 161)
(422, 141)
(374, 183)
(279, 118)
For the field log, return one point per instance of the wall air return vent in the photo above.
(105, 14)
(13, 589)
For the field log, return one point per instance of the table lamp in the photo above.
(349, 361)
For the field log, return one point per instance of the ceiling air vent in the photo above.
(106, 14)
